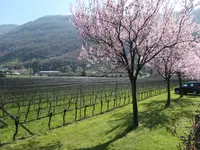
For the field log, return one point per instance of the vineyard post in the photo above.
(81, 99)
(16, 128)
(108, 105)
(90, 99)
(76, 109)
(54, 97)
(18, 104)
(119, 100)
(47, 96)
(101, 97)
(49, 123)
(39, 101)
(114, 103)
(38, 112)
(93, 110)
(28, 110)
(69, 103)
(95, 100)
(101, 107)
(85, 111)
(124, 100)
(2, 105)
(64, 114)
(92, 95)
(116, 91)
(57, 99)
(49, 109)
(35, 101)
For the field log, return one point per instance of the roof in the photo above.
(3, 69)
(192, 82)
(49, 71)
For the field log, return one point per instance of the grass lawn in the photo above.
(112, 130)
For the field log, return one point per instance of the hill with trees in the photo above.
(7, 28)
(49, 36)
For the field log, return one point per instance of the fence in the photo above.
(52, 106)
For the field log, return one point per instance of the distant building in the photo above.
(49, 73)
(4, 69)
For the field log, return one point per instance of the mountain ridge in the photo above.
(5, 28)
(48, 35)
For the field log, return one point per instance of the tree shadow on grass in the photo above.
(192, 96)
(121, 124)
(104, 146)
(154, 115)
(157, 115)
(31, 144)
(52, 146)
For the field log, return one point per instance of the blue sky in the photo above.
(22, 11)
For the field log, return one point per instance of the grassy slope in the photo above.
(111, 130)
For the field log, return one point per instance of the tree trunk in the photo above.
(180, 83)
(168, 93)
(134, 102)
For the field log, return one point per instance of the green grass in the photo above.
(41, 125)
(112, 130)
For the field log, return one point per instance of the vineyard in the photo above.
(30, 109)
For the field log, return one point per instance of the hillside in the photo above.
(7, 28)
(49, 36)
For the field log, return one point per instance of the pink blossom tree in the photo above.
(177, 60)
(130, 33)
(165, 64)
(192, 70)
(187, 66)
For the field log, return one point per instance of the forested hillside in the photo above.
(48, 36)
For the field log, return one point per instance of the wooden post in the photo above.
(101, 107)
(120, 101)
(49, 123)
(124, 100)
(85, 111)
(108, 105)
(28, 110)
(38, 112)
(16, 128)
(54, 103)
(114, 103)
(65, 110)
(49, 109)
(18, 104)
(2, 109)
(95, 100)
(93, 110)
(47, 96)
(69, 103)
(76, 111)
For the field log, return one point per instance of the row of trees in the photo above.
(132, 34)
(70, 66)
